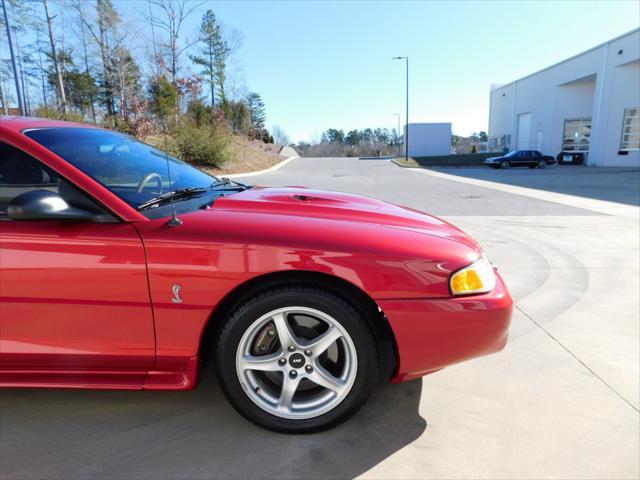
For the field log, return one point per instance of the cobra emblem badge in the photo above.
(176, 293)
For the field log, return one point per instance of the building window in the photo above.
(631, 130)
(500, 143)
(577, 134)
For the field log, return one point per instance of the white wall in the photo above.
(625, 93)
(501, 110)
(427, 139)
(573, 100)
(597, 84)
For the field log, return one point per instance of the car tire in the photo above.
(542, 164)
(259, 329)
(504, 164)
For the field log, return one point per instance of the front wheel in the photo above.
(296, 360)
(504, 164)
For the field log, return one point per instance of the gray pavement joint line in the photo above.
(576, 357)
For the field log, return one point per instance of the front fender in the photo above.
(211, 253)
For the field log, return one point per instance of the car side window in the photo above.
(21, 173)
(536, 153)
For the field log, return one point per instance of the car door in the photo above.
(522, 158)
(536, 156)
(74, 297)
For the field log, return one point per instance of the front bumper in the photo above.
(433, 333)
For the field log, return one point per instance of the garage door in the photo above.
(524, 132)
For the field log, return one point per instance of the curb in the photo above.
(260, 172)
(393, 160)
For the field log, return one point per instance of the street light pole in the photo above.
(406, 133)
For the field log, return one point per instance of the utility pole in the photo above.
(406, 133)
(13, 60)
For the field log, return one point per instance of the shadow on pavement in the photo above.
(106, 434)
(621, 185)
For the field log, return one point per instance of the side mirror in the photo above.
(45, 205)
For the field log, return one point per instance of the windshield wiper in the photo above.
(228, 183)
(174, 195)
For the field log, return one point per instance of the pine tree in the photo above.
(210, 37)
(256, 110)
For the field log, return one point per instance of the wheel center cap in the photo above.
(297, 360)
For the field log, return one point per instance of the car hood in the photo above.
(308, 203)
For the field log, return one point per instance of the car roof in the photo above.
(17, 123)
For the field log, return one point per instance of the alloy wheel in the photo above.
(296, 362)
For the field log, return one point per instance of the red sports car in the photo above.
(124, 268)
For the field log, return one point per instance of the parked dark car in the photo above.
(570, 158)
(521, 158)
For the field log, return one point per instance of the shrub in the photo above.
(136, 122)
(199, 113)
(204, 145)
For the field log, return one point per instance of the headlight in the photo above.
(478, 277)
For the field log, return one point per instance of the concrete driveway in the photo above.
(561, 401)
(621, 185)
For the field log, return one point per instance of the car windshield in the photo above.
(511, 154)
(134, 171)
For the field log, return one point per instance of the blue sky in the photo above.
(324, 64)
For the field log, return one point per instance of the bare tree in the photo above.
(126, 76)
(26, 21)
(3, 89)
(232, 40)
(13, 59)
(54, 58)
(279, 135)
(173, 15)
(107, 20)
(3, 99)
(21, 69)
(78, 6)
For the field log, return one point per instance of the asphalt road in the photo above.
(561, 401)
(620, 185)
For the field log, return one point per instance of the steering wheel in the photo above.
(146, 179)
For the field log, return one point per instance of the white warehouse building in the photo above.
(586, 106)
(428, 139)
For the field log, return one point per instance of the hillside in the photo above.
(249, 156)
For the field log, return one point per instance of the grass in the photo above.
(406, 162)
(249, 156)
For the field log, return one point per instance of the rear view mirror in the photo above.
(45, 205)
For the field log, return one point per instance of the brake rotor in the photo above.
(266, 340)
